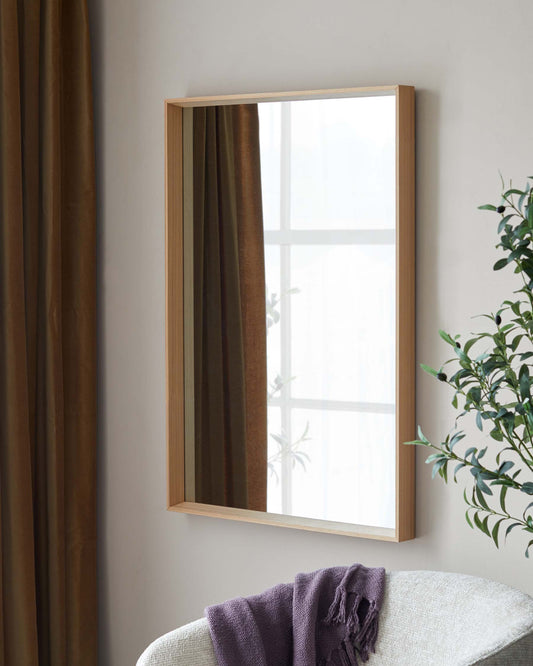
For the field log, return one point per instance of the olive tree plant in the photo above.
(489, 374)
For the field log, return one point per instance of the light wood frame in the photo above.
(405, 315)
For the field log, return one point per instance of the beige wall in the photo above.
(471, 64)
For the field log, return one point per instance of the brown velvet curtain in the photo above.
(229, 317)
(47, 336)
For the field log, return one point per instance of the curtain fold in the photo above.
(47, 336)
(229, 316)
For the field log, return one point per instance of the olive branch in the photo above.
(490, 377)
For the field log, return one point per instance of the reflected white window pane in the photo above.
(270, 145)
(274, 482)
(345, 470)
(343, 163)
(328, 177)
(274, 304)
(343, 322)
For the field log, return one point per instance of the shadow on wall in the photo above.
(120, 308)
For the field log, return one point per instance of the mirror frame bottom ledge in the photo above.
(281, 520)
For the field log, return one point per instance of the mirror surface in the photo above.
(328, 199)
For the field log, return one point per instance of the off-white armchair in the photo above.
(428, 619)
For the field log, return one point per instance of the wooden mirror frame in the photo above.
(405, 315)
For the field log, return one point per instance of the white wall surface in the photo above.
(471, 64)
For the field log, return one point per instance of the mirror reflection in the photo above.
(290, 274)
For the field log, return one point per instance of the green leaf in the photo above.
(474, 394)
(469, 344)
(516, 341)
(437, 467)
(527, 488)
(447, 338)
(456, 439)
(457, 468)
(527, 509)
(482, 486)
(528, 547)
(495, 531)
(503, 493)
(503, 222)
(508, 422)
(480, 498)
(479, 421)
(510, 528)
(501, 263)
(505, 466)
(430, 371)
(482, 524)
(468, 518)
(487, 207)
(524, 382)
(462, 356)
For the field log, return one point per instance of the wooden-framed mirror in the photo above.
(290, 296)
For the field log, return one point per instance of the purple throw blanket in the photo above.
(329, 616)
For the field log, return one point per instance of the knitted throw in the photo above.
(328, 617)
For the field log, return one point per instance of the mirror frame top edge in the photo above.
(290, 95)
(405, 304)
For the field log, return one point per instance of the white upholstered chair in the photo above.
(428, 618)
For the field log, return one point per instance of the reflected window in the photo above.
(328, 181)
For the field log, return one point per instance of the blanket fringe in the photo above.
(360, 639)
(337, 610)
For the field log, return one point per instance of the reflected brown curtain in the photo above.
(229, 316)
(47, 336)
